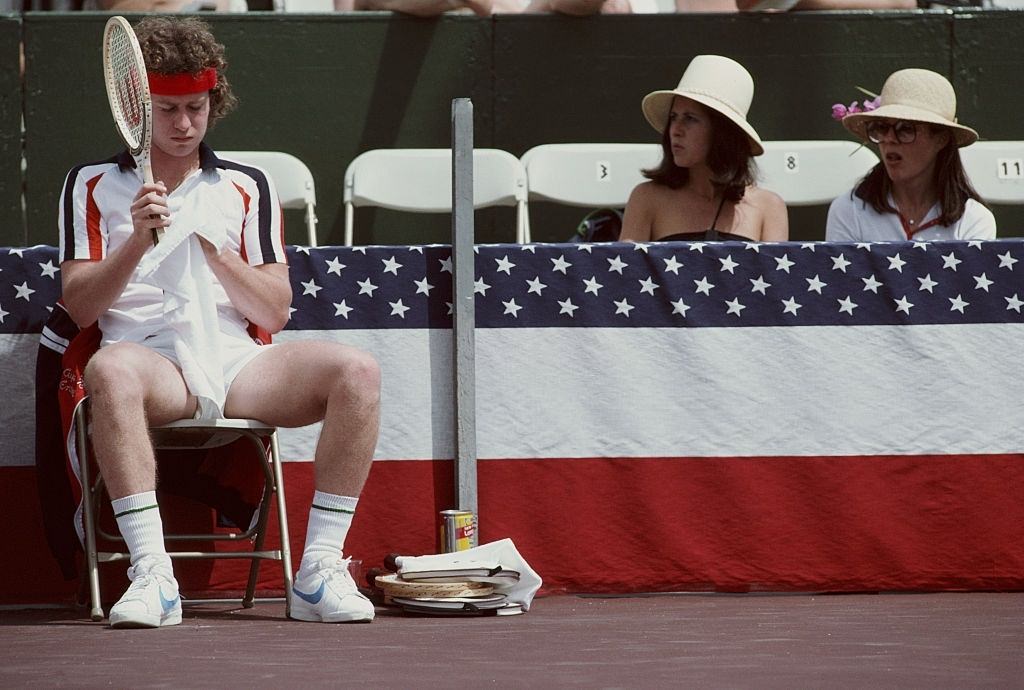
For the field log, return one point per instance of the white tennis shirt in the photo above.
(95, 219)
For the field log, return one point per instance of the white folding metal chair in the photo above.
(192, 434)
(806, 173)
(587, 175)
(996, 169)
(292, 178)
(420, 180)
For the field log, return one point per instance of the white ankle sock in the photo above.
(330, 517)
(138, 518)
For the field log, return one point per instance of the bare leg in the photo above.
(294, 384)
(131, 388)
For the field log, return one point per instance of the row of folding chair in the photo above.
(583, 175)
(803, 173)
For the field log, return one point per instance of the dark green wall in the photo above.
(328, 87)
(11, 225)
(988, 75)
(988, 72)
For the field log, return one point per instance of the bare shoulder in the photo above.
(647, 197)
(774, 215)
(647, 191)
(764, 199)
(641, 210)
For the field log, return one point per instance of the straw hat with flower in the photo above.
(918, 95)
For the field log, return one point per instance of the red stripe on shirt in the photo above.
(92, 220)
(246, 200)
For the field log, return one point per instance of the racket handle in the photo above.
(147, 176)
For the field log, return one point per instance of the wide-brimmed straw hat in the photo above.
(918, 95)
(719, 83)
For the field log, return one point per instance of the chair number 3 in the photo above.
(1009, 169)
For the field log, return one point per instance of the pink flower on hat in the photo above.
(839, 110)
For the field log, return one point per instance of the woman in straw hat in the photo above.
(919, 190)
(703, 189)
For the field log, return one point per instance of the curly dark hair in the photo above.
(729, 159)
(173, 45)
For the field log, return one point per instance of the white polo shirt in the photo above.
(95, 219)
(851, 219)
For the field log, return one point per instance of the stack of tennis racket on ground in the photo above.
(473, 589)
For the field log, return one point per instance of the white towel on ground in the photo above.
(502, 552)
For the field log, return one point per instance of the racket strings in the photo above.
(128, 87)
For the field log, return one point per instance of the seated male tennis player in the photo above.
(107, 220)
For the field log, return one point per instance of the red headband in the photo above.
(182, 82)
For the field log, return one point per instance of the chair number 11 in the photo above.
(1009, 168)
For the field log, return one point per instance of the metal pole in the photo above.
(463, 306)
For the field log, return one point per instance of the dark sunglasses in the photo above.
(905, 132)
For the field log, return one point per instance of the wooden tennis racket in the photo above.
(124, 71)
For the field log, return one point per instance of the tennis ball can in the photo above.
(458, 530)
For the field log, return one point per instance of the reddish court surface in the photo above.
(941, 640)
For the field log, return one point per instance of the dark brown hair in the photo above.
(175, 45)
(732, 166)
(950, 183)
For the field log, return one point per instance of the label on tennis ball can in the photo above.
(458, 530)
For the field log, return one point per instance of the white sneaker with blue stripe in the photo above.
(327, 594)
(152, 600)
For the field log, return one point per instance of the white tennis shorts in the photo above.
(235, 353)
